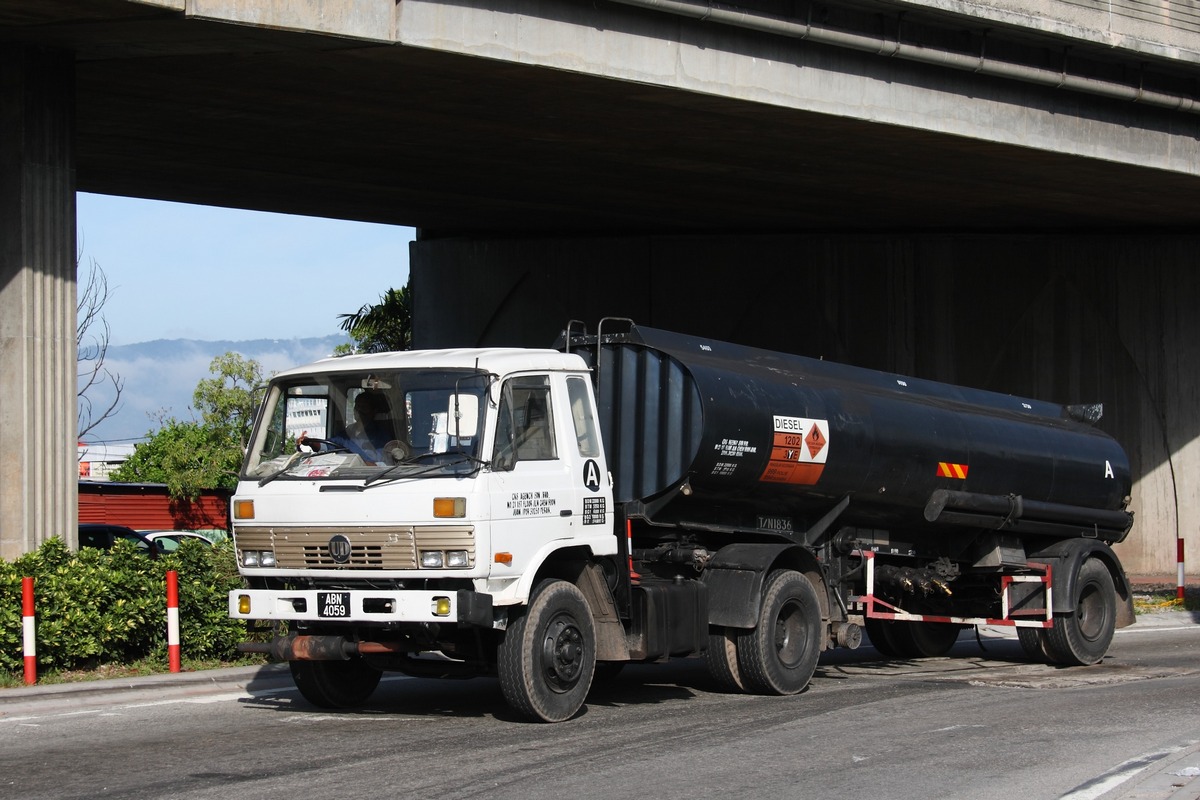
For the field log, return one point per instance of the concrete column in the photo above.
(38, 414)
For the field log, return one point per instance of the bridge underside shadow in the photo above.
(576, 160)
(1073, 319)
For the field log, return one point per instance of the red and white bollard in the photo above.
(28, 630)
(1180, 582)
(173, 620)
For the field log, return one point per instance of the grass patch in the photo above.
(1152, 600)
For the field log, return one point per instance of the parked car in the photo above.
(169, 541)
(102, 536)
(152, 543)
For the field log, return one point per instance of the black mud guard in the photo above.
(1067, 556)
(735, 576)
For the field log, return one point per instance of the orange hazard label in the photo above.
(798, 451)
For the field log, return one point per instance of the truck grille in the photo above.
(383, 547)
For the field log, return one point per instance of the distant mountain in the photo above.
(160, 376)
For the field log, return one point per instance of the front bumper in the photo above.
(362, 606)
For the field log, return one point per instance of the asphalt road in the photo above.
(979, 724)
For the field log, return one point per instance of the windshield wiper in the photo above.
(412, 460)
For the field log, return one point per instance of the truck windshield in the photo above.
(418, 423)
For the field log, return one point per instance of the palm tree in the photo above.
(386, 325)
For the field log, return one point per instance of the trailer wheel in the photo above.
(1083, 637)
(924, 639)
(721, 659)
(780, 654)
(335, 684)
(1033, 642)
(548, 655)
(880, 634)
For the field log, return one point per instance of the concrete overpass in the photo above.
(1000, 194)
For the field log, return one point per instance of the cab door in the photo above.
(533, 493)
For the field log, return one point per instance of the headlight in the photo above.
(258, 558)
(457, 558)
(431, 559)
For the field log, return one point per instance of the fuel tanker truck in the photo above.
(546, 516)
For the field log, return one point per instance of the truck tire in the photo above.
(335, 684)
(721, 659)
(779, 656)
(1033, 642)
(880, 633)
(548, 655)
(1082, 637)
(924, 639)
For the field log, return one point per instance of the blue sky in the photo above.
(178, 271)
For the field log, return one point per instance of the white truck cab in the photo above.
(437, 502)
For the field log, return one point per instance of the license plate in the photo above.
(333, 604)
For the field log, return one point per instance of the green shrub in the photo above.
(102, 607)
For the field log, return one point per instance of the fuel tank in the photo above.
(697, 429)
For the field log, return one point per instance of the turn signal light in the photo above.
(441, 606)
(449, 507)
(243, 604)
(243, 509)
(503, 558)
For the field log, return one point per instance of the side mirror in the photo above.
(462, 418)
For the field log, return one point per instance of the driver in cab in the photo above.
(370, 436)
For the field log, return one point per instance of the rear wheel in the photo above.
(721, 659)
(1033, 642)
(925, 639)
(780, 654)
(880, 633)
(335, 684)
(1082, 637)
(547, 656)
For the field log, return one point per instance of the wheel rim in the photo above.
(1091, 613)
(562, 653)
(789, 634)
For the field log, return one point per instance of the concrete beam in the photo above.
(38, 471)
(782, 63)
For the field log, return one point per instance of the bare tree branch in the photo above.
(91, 342)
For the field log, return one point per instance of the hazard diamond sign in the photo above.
(798, 451)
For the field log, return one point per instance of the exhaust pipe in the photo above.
(318, 648)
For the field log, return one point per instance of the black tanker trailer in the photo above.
(916, 507)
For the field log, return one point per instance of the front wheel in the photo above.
(1082, 637)
(335, 684)
(779, 656)
(547, 656)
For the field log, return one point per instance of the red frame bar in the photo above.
(870, 601)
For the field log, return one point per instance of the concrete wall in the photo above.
(1069, 319)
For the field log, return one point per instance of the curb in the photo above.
(245, 679)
